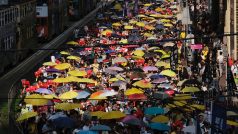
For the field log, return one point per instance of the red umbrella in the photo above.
(137, 97)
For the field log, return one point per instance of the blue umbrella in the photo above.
(64, 122)
(53, 70)
(159, 126)
(44, 91)
(159, 26)
(82, 95)
(156, 76)
(154, 110)
(100, 128)
(57, 115)
(87, 132)
(110, 51)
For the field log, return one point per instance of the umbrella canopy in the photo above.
(160, 119)
(231, 113)
(161, 64)
(232, 123)
(36, 100)
(133, 91)
(68, 95)
(200, 107)
(131, 120)
(115, 68)
(72, 43)
(50, 96)
(113, 115)
(61, 80)
(64, 53)
(26, 116)
(62, 66)
(44, 91)
(77, 73)
(168, 73)
(82, 94)
(100, 128)
(150, 68)
(87, 132)
(137, 97)
(99, 114)
(71, 57)
(138, 53)
(190, 90)
(142, 84)
(49, 64)
(159, 126)
(64, 122)
(67, 106)
(154, 110)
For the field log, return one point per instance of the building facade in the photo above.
(231, 26)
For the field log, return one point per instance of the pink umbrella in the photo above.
(160, 80)
(150, 68)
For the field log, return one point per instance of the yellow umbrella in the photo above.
(116, 24)
(180, 103)
(138, 53)
(72, 43)
(123, 41)
(36, 100)
(61, 80)
(77, 73)
(113, 79)
(68, 95)
(153, 48)
(72, 79)
(140, 24)
(231, 113)
(180, 83)
(182, 35)
(132, 22)
(62, 66)
(50, 96)
(143, 84)
(148, 34)
(85, 80)
(182, 97)
(118, 6)
(141, 15)
(113, 115)
(49, 64)
(190, 89)
(161, 64)
(165, 56)
(73, 57)
(161, 51)
(67, 106)
(171, 105)
(106, 32)
(165, 20)
(128, 27)
(158, 9)
(152, 21)
(200, 107)
(64, 53)
(232, 123)
(160, 119)
(169, 73)
(156, 15)
(137, 57)
(168, 25)
(26, 116)
(147, 4)
(133, 91)
(99, 114)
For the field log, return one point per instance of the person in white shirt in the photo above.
(220, 60)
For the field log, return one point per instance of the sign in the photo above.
(41, 11)
(196, 46)
(231, 85)
(218, 119)
(174, 58)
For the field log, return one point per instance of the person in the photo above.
(32, 127)
(220, 59)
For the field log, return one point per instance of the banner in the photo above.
(174, 58)
(231, 85)
(218, 119)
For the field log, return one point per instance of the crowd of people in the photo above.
(117, 77)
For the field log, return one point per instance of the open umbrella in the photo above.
(133, 91)
(61, 80)
(26, 116)
(113, 115)
(154, 110)
(68, 95)
(72, 43)
(150, 68)
(131, 120)
(119, 59)
(67, 106)
(64, 53)
(82, 94)
(190, 90)
(44, 91)
(64, 122)
(143, 84)
(232, 123)
(169, 73)
(36, 100)
(100, 128)
(62, 66)
(160, 119)
(159, 126)
(137, 97)
(87, 132)
(49, 64)
(115, 68)
(77, 73)
(99, 114)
